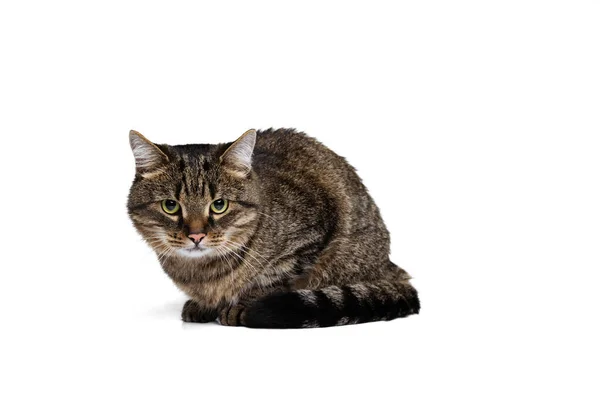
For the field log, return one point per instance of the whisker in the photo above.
(240, 247)
(246, 262)
(247, 250)
(223, 255)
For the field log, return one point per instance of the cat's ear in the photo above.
(238, 157)
(148, 157)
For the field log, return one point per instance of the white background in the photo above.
(474, 124)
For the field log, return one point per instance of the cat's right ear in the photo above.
(148, 157)
(237, 159)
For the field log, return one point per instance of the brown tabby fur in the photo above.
(302, 243)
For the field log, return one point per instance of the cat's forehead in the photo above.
(194, 152)
(194, 158)
(198, 165)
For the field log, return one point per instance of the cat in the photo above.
(274, 230)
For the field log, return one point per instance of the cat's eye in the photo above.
(219, 206)
(170, 206)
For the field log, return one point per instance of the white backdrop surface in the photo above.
(475, 126)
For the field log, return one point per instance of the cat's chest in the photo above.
(214, 285)
(211, 294)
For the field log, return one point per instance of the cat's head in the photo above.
(194, 201)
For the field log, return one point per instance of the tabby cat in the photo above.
(273, 230)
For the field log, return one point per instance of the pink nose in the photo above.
(196, 237)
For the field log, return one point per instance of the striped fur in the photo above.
(333, 305)
(302, 243)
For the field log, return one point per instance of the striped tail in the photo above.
(334, 305)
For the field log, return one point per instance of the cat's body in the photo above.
(300, 243)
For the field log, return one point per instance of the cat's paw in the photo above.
(232, 316)
(192, 312)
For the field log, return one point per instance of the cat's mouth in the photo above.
(196, 251)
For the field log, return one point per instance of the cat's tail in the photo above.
(334, 305)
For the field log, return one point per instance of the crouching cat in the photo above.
(273, 230)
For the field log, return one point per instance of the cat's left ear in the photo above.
(238, 157)
(148, 157)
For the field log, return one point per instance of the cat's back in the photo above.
(297, 169)
(289, 151)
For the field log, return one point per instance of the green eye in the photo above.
(219, 206)
(170, 206)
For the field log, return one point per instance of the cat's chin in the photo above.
(194, 252)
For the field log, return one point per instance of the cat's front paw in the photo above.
(232, 316)
(192, 312)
